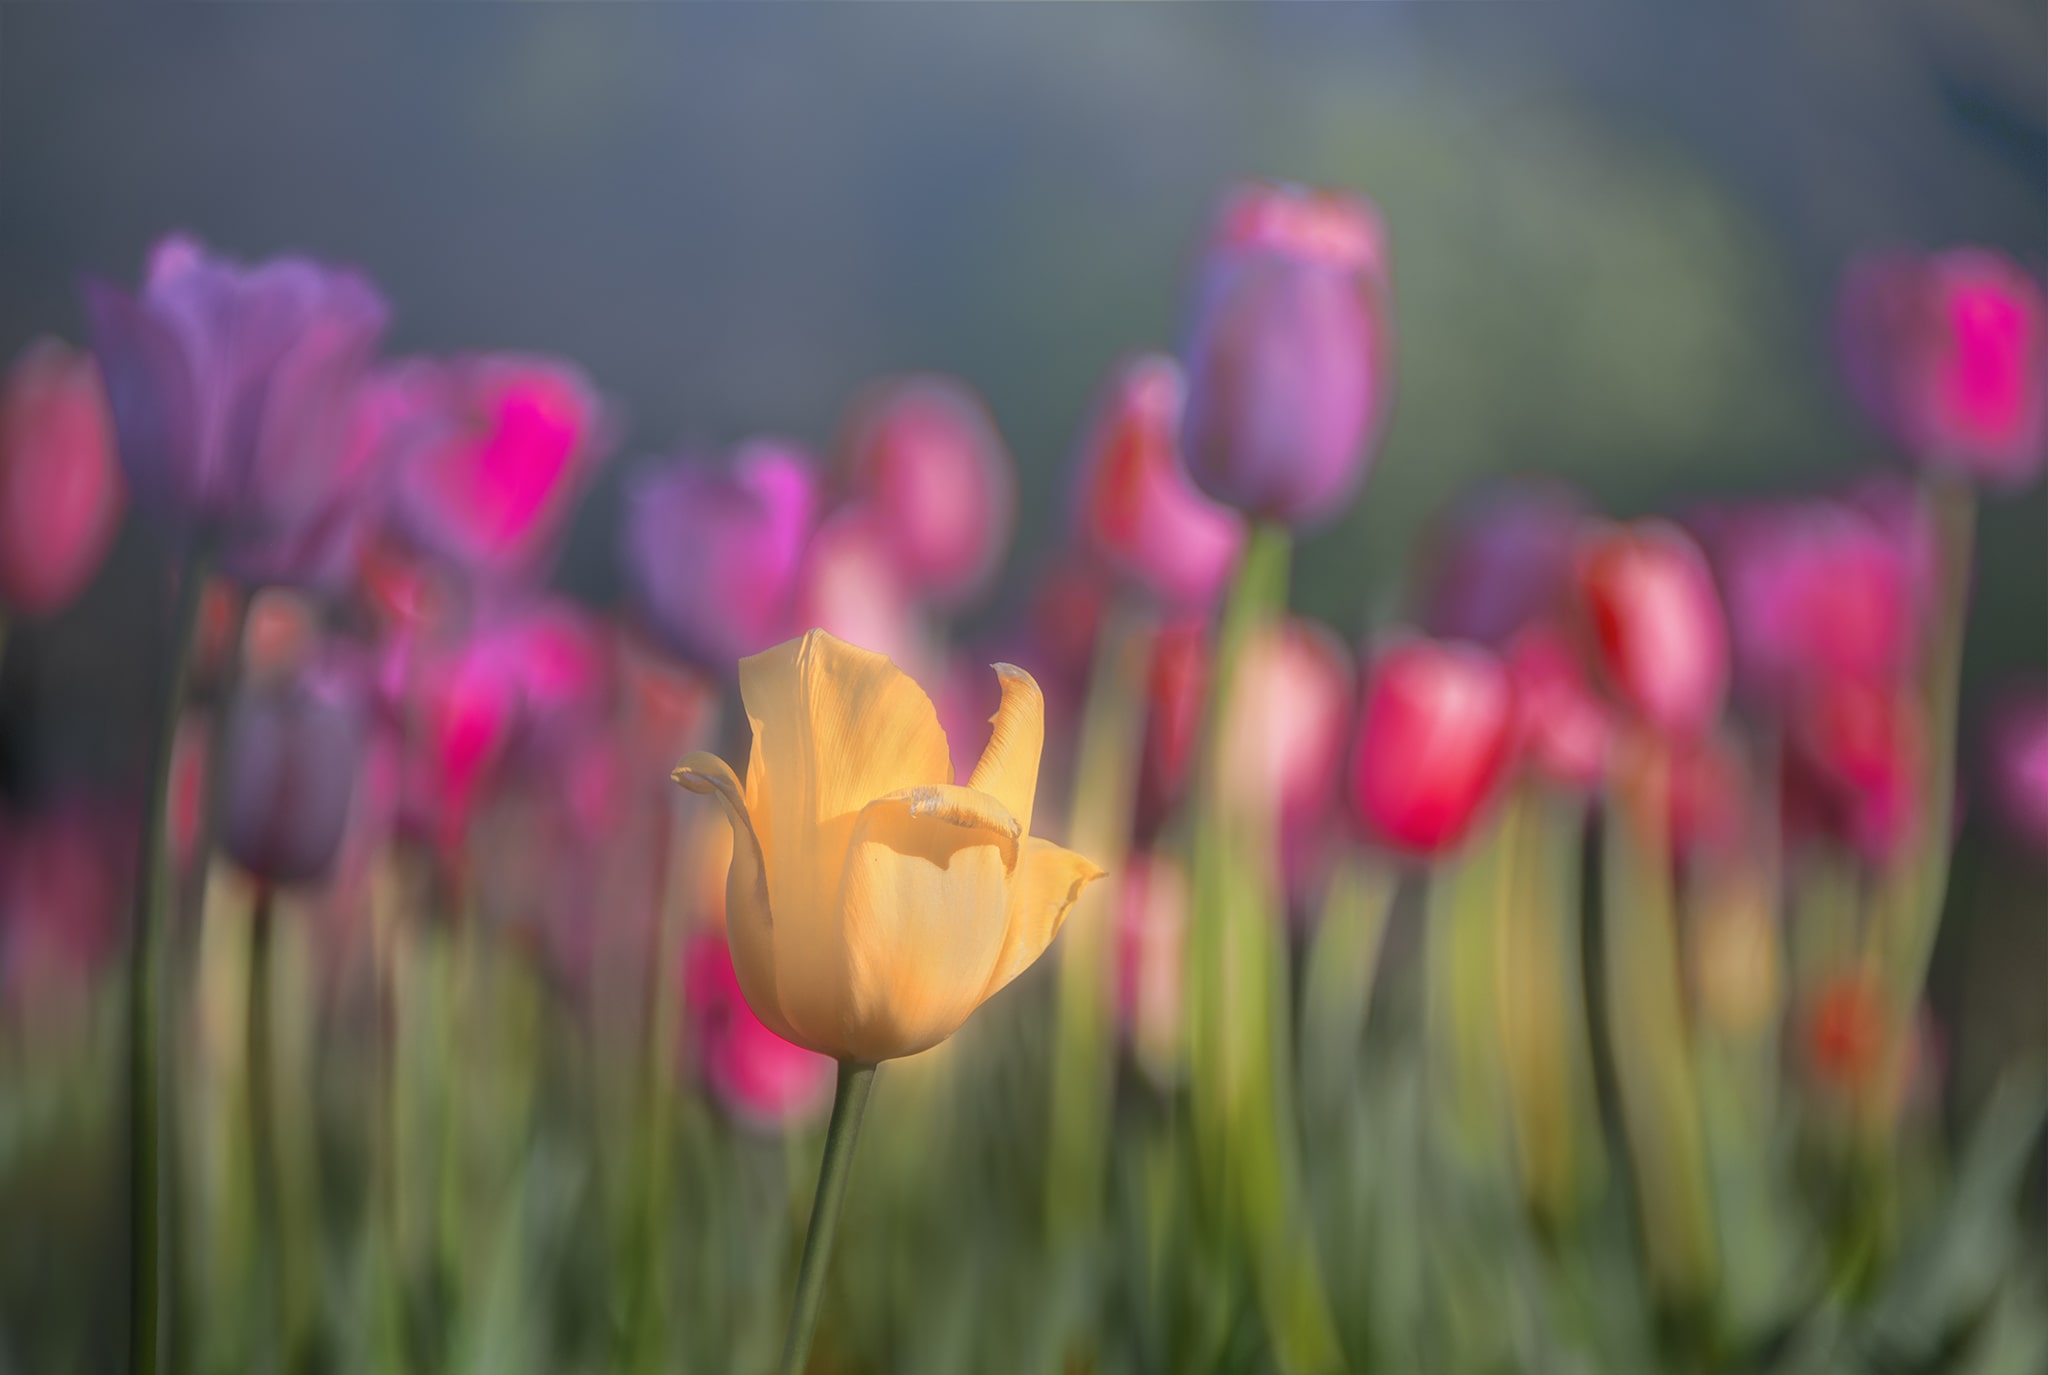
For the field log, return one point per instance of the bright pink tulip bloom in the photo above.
(1135, 507)
(1289, 353)
(1435, 735)
(923, 453)
(850, 585)
(1855, 766)
(1949, 354)
(765, 1082)
(489, 481)
(61, 492)
(1656, 624)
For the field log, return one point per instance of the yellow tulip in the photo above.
(872, 904)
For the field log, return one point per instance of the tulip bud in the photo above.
(713, 554)
(764, 1081)
(924, 454)
(1434, 736)
(1656, 624)
(851, 585)
(1847, 1033)
(1855, 749)
(61, 492)
(487, 481)
(2019, 767)
(1563, 729)
(1503, 560)
(1135, 507)
(1949, 355)
(230, 386)
(293, 750)
(1289, 354)
(1176, 686)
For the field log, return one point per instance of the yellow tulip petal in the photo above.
(749, 919)
(920, 925)
(1049, 879)
(835, 727)
(1008, 770)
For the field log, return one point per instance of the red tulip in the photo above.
(1847, 1032)
(1565, 730)
(61, 492)
(1176, 686)
(1854, 763)
(924, 454)
(1136, 508)
(1434, 737)
(1949, 354)
(1656, 623)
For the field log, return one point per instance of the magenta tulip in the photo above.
(1656, 624)
(1435, 735)
(488, 480)
(923, 454)
(2018, 744)
(61, 492)
(1135, 507)
(1289, 353)
(230, 386)
(1564, 729)
(1949, 355)
(765, 1082)
(713, 552)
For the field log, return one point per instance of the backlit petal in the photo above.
(1048, 881)
(1008, 770)
(749, 919)
(920, 926)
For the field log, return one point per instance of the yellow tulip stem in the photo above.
(849, 1102)
(149, 1020)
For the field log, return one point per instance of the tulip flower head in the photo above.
(1656, 624)
(61, 492)
(231, 386)
(2019, 767)
(1282, 747)
(851, 585)
(713, 553)
(488, 484)
(765, 1082)
(1176, 687)
(1288, 354)
(1435, 735)
(924, 454)
(1949, 355)
(293, 752)
(872, 903)
(1847, 1032)
(1565, 729)
(1152, 921)
(1854, 765)
(60, 915)
(1136, 509)
(1503, 560)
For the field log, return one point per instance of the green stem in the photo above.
(256, 1066)
(664, 1011)
(849, 1101)
(149, 1272)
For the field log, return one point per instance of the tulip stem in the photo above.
(149, 1267)
(849, 1102)
(256, 1066)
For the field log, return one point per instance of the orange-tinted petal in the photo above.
(1008, 770)
(749, 918)
(1047, 883)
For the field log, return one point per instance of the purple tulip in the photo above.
(1503, 561)
(294, 749)
(1136, 508)
(230, 386)
(713, 552)
(488, 479)
(1949, 354)
(1289, 356)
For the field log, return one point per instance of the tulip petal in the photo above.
(1048, 881)
(1008, 770)
(920, 926)
(749, 920)
(835, 727)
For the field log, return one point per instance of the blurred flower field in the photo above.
(1155, 979)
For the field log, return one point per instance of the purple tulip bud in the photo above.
(1503, 561)
(488, 480)
(1136, 508)
(713, 552)
(1949, 354)
(230, 386)
(1289, 356)
(294, 749)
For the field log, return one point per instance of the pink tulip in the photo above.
(1949, 354)
(1283, 744)
(851, 585)
(1656, 624)
(61, 492)
(1564, 728)
(1151, 941)
(2019, 766)
(1289, 353)
(765, 1082)
(489, 481)
(62, 876)
(923, 453)
(713, 553)
(1435, 735)
(1135, 507)
(1855, 750)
